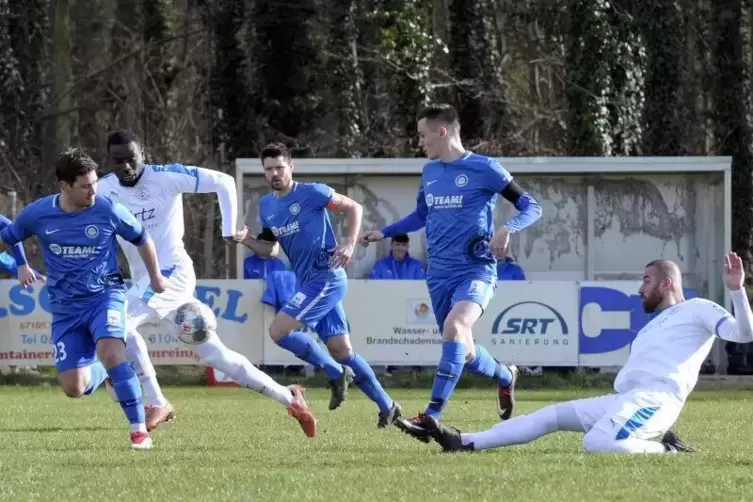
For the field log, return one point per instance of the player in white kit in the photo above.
(154, 194)
(653, 385)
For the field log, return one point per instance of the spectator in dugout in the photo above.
(398, 265)
(508, 270)
(256, 267)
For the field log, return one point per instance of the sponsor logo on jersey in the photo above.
(73, 251)
(444, 201)
(288, 229)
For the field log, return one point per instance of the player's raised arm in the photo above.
(223, 185)
(737, 328)
(500, 181)
(265, 244)
(353, 214)
(13, 234)
(413, 222)
(130, 229)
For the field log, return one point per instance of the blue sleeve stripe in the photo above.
(718, 325)
(180, 169)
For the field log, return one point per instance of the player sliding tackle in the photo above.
(154, 193)
(456, 199)
(76, 229)
(653, 385)
(294, 217)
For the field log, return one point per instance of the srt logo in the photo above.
(145, 214)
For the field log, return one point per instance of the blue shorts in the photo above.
(445, 292)
(318, 305)
(75, 336)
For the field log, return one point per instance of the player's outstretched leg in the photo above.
(519, 430)
(365, 378)
(481, 363)
(158, 409)
(283, 331)
(240, 370)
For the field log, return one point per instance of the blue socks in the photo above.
(485, 365)
(97, 375)
(446, 378)
(366, 380)
(127, 388)
(307, 349)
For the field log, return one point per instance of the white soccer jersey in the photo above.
(157, 202)
(670, 350)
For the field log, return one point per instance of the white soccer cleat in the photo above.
(141, 441)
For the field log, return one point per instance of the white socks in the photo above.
(518, 430)
(240, 369)
(137, 354)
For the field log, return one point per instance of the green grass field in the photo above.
(231, 444)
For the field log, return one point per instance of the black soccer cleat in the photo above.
(339, 388)
(506, 395)
(414, 427)
(673, 443)
(387, 418)
(448, 437)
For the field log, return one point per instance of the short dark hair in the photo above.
(402, 238)
(122, 137)
(441, 112)
(274, 150)
(73, 163)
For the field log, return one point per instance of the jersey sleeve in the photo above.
(322, 194)
(720, 323)
(266, 230)
(178, 178)
(21, 228)
(496, 177)
(127, 226)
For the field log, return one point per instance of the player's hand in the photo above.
(26, 276)
(370, 236)
(734, 275)
(237, 236)
(499, 243)
(159, 284)
(342, 255)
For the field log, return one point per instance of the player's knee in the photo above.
(111, 351)
(339, 347)
(281, 326)
(74, 386)
(598, 441)
(454, 329)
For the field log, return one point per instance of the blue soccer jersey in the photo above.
(300, 222)
(456, 201)
(79, 249)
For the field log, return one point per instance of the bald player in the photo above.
(653, 385)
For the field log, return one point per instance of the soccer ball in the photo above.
(194, 323)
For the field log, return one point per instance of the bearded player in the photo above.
(294, 218)
(154, 194)
(456, 199)
(653, 385)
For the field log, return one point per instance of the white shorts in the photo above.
(638, 413)
(143, 304)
